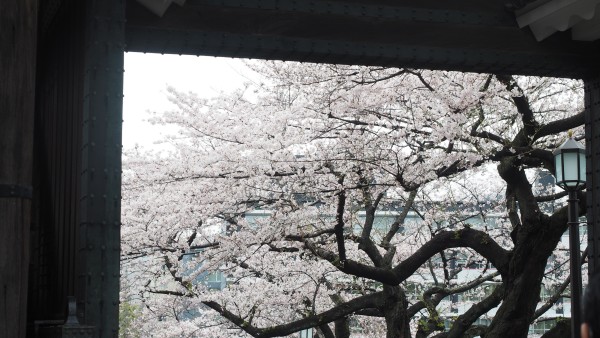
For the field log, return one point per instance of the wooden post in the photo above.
(592, 142)
(100, 201)
(18, 32)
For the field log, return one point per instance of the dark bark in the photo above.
(331, 315)
(535, 238)
(477, 240)
(530, 125)
(466, 237)
(436, 294)
(464, 321)
(394, 310)
(324, 331)
(562, 329)
(400, 219)
(366, 244)
(339, 223)
(342, 328)
(560, 126)
(352, 267)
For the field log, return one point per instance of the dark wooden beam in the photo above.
(18, 31)
(592, 141)
(466, 35)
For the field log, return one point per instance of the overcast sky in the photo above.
(147, 77)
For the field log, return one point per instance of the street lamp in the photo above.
(569, 162)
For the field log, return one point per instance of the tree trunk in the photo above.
(535, 237)
(394, 310)
(18, 28)
(518, 306)
(523, 283)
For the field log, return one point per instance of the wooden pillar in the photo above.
(101, 146)
(592, 140)
(18, 32)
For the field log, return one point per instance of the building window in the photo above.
(308, 333)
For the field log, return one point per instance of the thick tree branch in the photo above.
(464, 321)
(477, 240)
(331, 315)
(521, 101)
(204, 246)
(513, 174)
(326, 331)
(366, 243)
(379, 79)
(339, 223)
(559, 217)
(342, 327)
(560, 330)
(560, 126)
(373, 312)
(553, 197)
(382, 275)
(442, 292)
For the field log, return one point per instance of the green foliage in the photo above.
(127, 315)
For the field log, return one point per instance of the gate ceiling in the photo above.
(471, 35)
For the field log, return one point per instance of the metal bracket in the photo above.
(72, 313)
(16, 191)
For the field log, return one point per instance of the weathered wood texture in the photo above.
(57, 143)
(463, 35)
(99, 225)
(18, 30)
(76, 234)
(592, 140)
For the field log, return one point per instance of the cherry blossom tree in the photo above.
(338, 198)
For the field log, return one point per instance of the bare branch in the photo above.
(339, 223)
(399, 220)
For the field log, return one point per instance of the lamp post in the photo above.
(569, 162)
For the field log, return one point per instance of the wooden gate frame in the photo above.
(75, 221)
